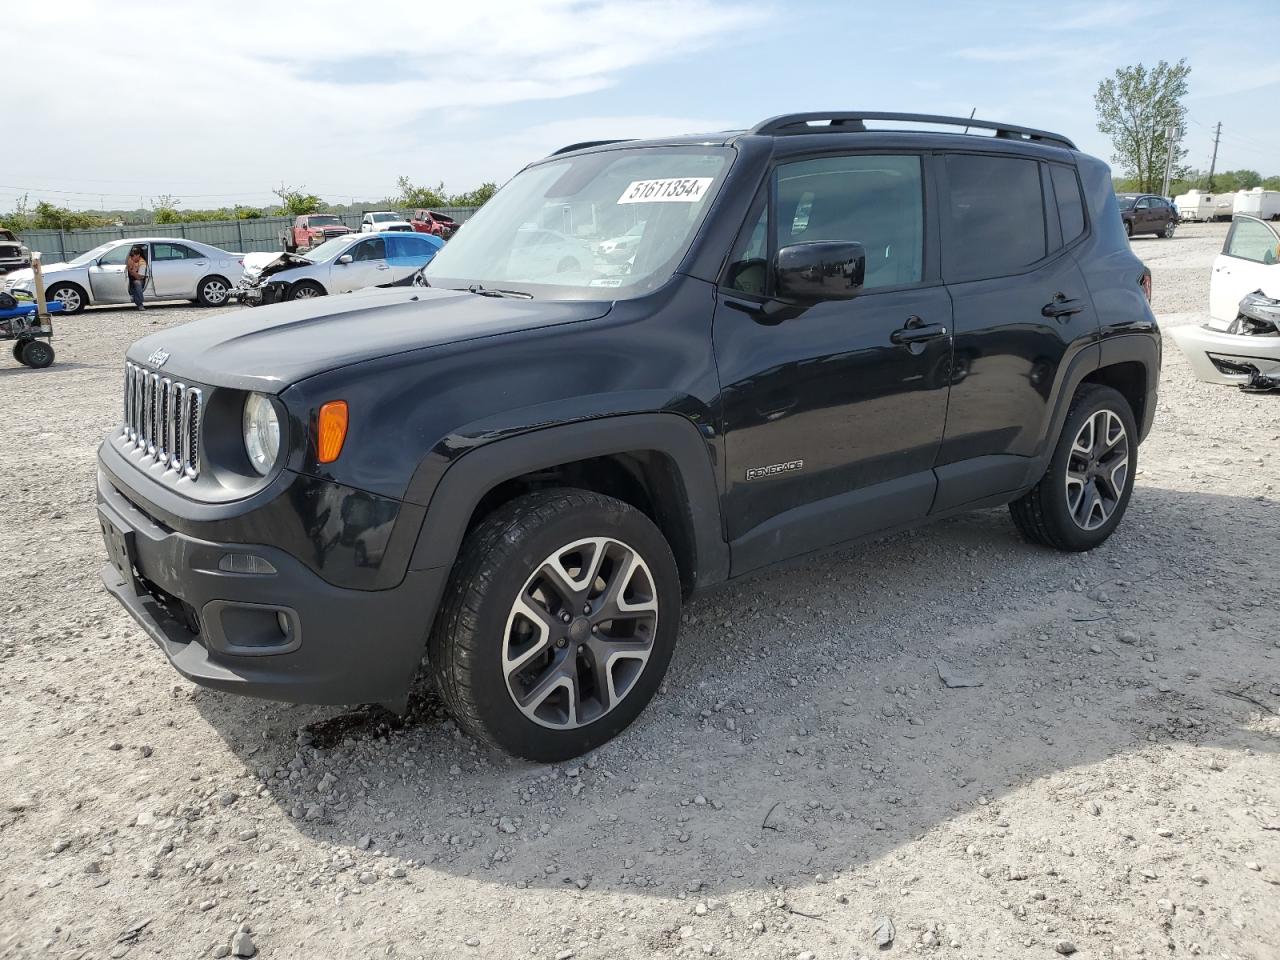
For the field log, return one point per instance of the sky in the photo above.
(218, 103)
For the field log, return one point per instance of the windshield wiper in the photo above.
(486, 292)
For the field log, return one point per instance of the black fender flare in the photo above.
(1147, 349)
(466, 481)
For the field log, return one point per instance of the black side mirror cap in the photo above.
(820, 270)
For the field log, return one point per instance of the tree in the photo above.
(414, 196)
(475, 198)
(1271, 183)
(294, 202)
(1137, 108)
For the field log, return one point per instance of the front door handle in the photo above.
(1062, 306)
(917, 331)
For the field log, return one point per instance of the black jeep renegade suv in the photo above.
(521, 465)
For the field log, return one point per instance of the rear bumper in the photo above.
(287, 635)
(1202, 345)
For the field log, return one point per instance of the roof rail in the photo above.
(852, 122)
(584, 145)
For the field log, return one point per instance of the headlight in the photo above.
(261, 432)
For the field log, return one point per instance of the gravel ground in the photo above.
(803, 785)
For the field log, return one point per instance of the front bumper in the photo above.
(259, 295)
(1203, 345)
(287, 635)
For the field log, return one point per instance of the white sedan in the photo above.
(339, 265)
(179, 269)
(1224, 350)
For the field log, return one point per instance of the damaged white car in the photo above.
(1241, 342)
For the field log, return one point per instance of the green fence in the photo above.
(238, 236)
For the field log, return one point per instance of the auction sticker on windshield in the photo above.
(670, 190)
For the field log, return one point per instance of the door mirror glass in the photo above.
(821, 270)
(344, 259)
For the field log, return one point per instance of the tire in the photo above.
(1050, 513)
(37, 354)
(1169, 229)
(213, 291)
(1128, 229)
(17, 350)
(306, 290)
(487, 644)
(71, 296)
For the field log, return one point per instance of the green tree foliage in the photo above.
(1136, 108)
(294, 202)
(1271, 183)
(411, 195)
(475, 198)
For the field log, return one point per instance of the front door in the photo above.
(176, 269)
(833, 412)
(108, 277)
(1022, 311)
(368, 267)
(1249, 261)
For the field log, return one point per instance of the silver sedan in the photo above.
(178, 269)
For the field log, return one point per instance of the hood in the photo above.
(270, 348)
(256, 270)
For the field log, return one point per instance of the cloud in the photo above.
(239, 92)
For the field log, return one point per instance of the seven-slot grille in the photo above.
(162, 419)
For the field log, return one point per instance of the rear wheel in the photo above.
(558, 624)
(69, 295)
(17, 350)
(37, 353)
(1086, 488)
(1169, 229)
(305, 290)
(212, 292)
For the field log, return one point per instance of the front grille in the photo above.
(162, 419)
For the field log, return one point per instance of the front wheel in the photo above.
(305, 290)
(69, 295)
(17, 350)
(37, 354)
(558, 624)
(1085, 490)
(1128, 229)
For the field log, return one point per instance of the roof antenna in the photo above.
(971, 113)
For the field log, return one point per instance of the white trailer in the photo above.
(1263, 204)
(1197, 205)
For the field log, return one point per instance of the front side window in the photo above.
(1251, 240)
(877, 201)
(117, 257)
(994, 217)
(1144, 203)
(541, 233)
(370, 250)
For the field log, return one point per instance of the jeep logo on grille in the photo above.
(158, 358)
(773, 470)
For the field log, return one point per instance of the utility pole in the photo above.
(1170, 134)
(1214, 162)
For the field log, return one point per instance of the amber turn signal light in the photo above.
(331, 430)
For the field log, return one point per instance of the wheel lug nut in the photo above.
(565, 616)
(562, 642)
(586, 608)
(595, 629)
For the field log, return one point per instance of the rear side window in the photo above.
(995, 216)
(1250, 240)
(1070, 202)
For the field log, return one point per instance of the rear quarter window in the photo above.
(994, 216)
(1066, 188)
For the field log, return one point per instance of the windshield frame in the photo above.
(339, 245)
(579, 292)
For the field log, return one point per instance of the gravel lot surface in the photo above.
(803, 785)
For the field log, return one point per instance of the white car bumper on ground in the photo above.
(1220, 357)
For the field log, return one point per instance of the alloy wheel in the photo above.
(305, 293)
(580, 633)
(69, 297)
(1097, 469)
(215, 291)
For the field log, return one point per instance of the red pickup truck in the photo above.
(436, 224)
(311, 230)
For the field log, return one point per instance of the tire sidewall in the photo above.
(52, 291)
(37, 354)
(502, 719)
(1090, 403)
(204, 301)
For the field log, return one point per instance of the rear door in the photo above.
(176, 269)
(833, 412)
(1250, 260)
(406, 253)
(1022, 312)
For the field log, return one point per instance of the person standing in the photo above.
(136, 266)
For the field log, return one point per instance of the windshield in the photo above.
(315, 221)
(379, 217)
(91, 255)
(330, 248)
(540, 234)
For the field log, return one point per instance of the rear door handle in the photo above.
(917, 331)
(1062, 306)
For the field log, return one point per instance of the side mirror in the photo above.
(822, 270)
(344, 259)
